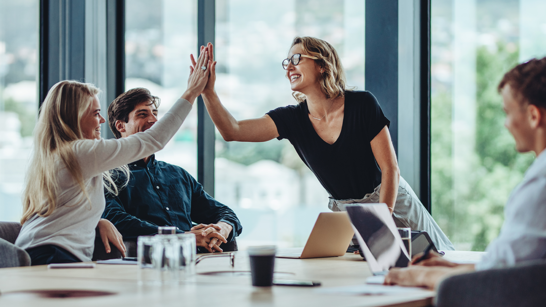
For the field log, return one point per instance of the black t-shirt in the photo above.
(346, 169)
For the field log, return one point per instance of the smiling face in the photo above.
(518, 119)
(306, 75)
(91, 121)
(140, 119)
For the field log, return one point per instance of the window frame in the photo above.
(62, 47)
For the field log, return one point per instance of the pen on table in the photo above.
(425, 254)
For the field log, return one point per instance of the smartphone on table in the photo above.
(296, 283)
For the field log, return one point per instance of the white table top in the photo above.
(131, 288)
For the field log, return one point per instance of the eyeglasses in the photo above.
(295, 59)
(230, 255)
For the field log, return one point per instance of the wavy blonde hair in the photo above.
(332, 81)
(57, 128)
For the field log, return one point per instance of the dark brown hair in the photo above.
(529, 81)
(125, 103)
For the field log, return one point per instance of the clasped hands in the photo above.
(211, 236)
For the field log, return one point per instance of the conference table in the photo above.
(217, 283)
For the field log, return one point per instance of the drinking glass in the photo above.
(187, 250)
(405, 234)
(144, 246)
(166, 230)
(165, 253)
(159, 258)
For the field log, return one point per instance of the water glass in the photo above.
(165, 253)
(405, 234)
(166, 230)
(188, 256)
(144, 247)
(159, 258)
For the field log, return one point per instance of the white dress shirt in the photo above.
(523, 234)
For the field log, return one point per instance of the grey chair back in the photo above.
(11, 255)
(522, 285)
(9, 231)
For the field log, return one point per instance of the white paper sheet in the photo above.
(371, 290)
(117, 261)
(376, 280)
(464, 257)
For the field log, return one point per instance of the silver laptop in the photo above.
(330, 237)
(378, 237)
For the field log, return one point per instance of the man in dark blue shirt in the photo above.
(158, 193)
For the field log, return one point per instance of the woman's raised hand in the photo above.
(209, 88)
(198, 76)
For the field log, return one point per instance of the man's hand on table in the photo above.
(423, 276)
(413, 276)
(432, 259)
(426, 273)
(215, 235)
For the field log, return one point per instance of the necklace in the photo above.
(316, 118)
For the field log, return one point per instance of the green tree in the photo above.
(26, 117)
(473, 215)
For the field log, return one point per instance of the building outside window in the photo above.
(274, 194)
(160, 35)
(18, 99)
(473, 42)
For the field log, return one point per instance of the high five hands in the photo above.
(209, 52)
(199, 75)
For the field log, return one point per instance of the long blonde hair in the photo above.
(332, 81)
(57, 128)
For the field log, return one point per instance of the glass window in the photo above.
(273, 193)
(18, 99)
(474, 162)
(159, 37)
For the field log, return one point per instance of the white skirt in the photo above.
(408, 212)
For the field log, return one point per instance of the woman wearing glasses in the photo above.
(341, 135)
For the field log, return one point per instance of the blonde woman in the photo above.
(64, 195)
(341, 135)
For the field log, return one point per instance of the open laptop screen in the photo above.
(378, 236)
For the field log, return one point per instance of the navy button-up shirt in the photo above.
(162, 194)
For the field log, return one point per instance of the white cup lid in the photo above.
(263, 250)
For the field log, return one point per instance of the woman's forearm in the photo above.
(96, 157)
(389, 187)
(224, 121)
(385, 156)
